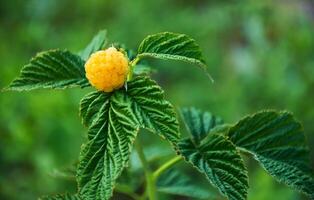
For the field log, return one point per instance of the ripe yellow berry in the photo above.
(107, 70)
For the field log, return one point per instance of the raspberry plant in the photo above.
(128, 100)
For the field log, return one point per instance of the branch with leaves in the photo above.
(128, 100)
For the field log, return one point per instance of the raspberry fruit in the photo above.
(107, 70)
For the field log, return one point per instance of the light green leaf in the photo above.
(277, 141)
(219, 160)
(176, 183)
(61, 197)
(172, 46)
(98, 42)
(199, 123)
(114, 120)
(54, 69)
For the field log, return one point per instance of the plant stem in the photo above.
(132, 65)
(130, 75)
(135, 61)
(165, 166)
(150, 184)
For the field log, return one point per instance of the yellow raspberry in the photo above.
(107, 70)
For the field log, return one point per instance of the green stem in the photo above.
(132, 66)
(165, 166)
(150, 184)
(130, 75)
(135, 61)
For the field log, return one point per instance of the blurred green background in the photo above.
(260, 53)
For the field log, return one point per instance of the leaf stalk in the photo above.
(165, 167)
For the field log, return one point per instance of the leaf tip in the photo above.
(9, 88)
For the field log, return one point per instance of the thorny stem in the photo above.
(150, 184)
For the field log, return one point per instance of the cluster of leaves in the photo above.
(274, 139)
(113, 119)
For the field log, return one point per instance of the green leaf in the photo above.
(147, 101)
(61, 197)
(277, 141)
(54, 69)
(114, 120)
(98, 42)
(199, 123)
(176, 183)
(153, 112)
(111, 136)
(90, 105)
(213, 154)
(219, 160)
(172, 46)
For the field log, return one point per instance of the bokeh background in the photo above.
(260, 53)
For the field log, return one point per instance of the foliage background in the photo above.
(260, 54)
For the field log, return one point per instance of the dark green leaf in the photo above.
(147, 101)
(61, 197)
(277, 141)
(213, 154)
(90, 105)
(51, 69)
(198, 123)
(152, 110)
(98, 42)
(220, 161)
(114, 120)
(111, 135)
(176, 183)
(172, 46)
